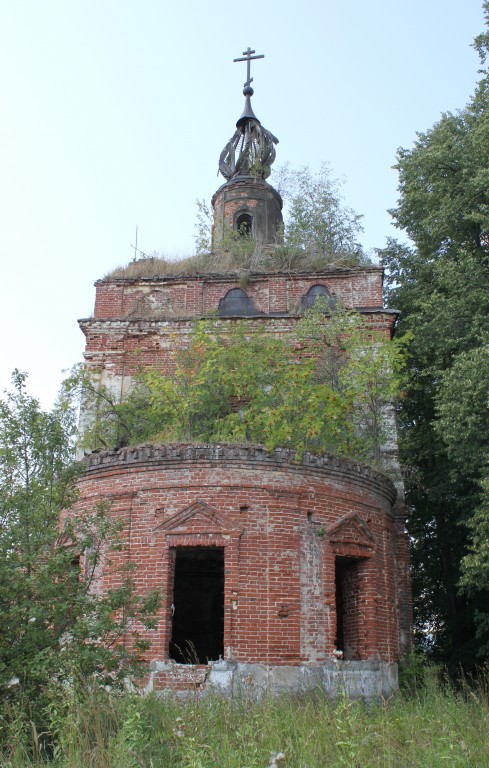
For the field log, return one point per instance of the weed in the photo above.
(430, 726)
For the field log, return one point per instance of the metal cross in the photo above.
(248, 57)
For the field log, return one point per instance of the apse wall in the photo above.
(293, 536)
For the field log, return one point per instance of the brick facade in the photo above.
(314, 553)
(142, 322)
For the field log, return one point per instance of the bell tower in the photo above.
(246, 204)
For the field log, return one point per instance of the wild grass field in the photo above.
(436, 725)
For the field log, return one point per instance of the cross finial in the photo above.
(248, 58)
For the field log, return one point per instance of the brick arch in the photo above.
(237, 303)
(314, 292)
(244, 222)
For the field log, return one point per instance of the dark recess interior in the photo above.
(244, 225)
(345, 576)
(198, 599)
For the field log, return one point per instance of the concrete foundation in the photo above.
(367, 680)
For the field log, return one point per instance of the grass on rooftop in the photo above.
(238, 260)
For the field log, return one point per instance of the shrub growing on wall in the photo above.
(326, 389)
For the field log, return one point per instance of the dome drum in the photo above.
(243, 197)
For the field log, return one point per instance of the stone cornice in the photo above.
(125, 321)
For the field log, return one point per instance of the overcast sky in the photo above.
(114, 113)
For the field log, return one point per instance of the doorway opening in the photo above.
(197, 634)
(349, 620)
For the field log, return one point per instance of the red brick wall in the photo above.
(255, 197)
(281, 525)
(194, 296)
(141, 323)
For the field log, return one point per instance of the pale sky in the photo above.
(114, 113)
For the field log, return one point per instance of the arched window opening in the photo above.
(314, 293)
(236, 303)
(244, 225)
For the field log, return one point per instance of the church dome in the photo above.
(251, 149)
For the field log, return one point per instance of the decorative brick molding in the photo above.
(196, 296)
(255, 454)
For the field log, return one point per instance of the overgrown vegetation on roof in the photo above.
(265, 259)
(319, 232)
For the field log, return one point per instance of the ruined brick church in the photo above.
(274, 573)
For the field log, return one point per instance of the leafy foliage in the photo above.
(463, 424)
(53, 624)
(462, 402)
(317, 222)
(445, 306)
(203, 227)
(327, 390)
(440, 286)
(319, 229)
(360, 364)
(450, 207)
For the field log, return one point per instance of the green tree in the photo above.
(475, 567)
(203, 228)
(317, 222)
(463, 425)
(444, 304)
(361, 365)
(462, 402)
(326, 389)
(440, 287)
(53, 624)
(319, 229)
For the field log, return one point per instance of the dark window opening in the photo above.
(244, 225)
(314, 293)
(348, 614)
(236, 303)
(198, 605)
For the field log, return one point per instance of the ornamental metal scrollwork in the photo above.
(250, 152)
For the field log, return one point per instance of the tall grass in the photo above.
(261, 259)
(433, 727)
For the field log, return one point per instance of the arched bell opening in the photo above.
(244, 225)
(247, 206)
